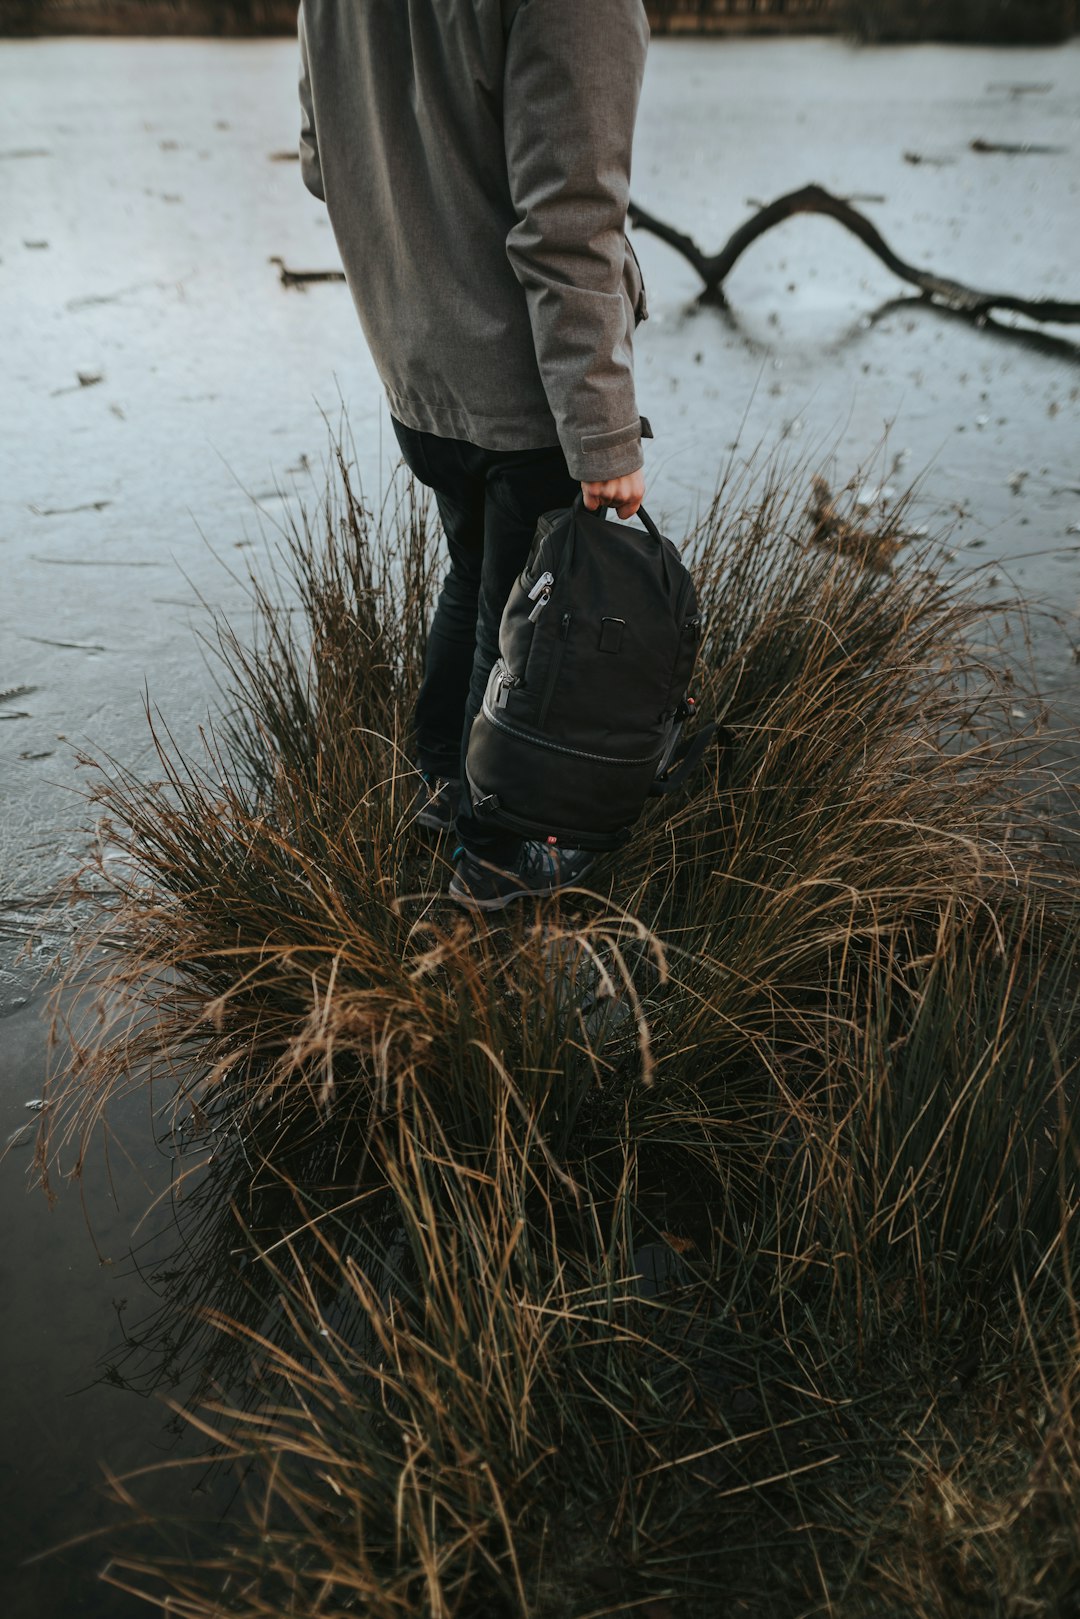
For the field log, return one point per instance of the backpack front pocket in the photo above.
(530, 784)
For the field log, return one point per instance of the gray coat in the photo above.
(474, 156)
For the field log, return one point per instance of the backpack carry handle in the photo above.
(649, 525)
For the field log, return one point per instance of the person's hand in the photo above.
(625, 494)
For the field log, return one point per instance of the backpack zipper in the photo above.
(691, 630)
(553, 671)
(558, 747)
(541, 594)
(507, 682)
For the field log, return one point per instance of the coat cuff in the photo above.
(601, 456)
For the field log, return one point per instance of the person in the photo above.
(474, 159)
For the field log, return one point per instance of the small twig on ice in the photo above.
(1012, 149)
(813, 199)
(301, 278)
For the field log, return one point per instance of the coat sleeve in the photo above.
(310, 169)
(572, 84)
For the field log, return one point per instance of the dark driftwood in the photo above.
(814, 199)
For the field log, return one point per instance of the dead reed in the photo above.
(702, 1244)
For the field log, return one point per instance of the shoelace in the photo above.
(539, 860)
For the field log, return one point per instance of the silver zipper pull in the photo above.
(540, 605)
(506, 683)
(544, 583)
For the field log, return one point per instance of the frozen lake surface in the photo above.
(141, 204)
(141, 200)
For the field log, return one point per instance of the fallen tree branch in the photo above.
(814, 199)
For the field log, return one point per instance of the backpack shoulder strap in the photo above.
(686, 758)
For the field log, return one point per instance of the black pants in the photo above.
(489, 502)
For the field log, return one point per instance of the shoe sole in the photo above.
(499, 902)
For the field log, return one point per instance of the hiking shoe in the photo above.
(436, 804)
(541, 869)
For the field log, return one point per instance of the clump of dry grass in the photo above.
(714, 1226)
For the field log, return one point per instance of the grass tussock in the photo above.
(703, 1243)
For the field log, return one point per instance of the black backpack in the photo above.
(584, 710)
